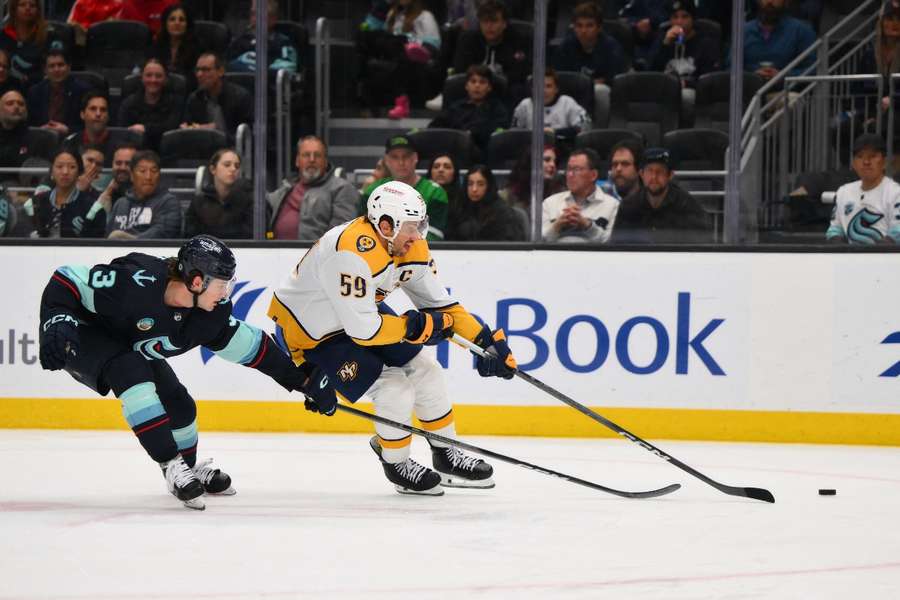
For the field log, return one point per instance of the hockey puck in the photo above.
(828, 492)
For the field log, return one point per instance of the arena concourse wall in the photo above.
(760, 346)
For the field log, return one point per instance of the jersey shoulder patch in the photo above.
(359, 238)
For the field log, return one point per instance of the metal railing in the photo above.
(795, 123)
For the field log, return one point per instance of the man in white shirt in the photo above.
(582, 213)
(867, 211)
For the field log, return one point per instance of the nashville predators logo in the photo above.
(364, 243)
(348, 371)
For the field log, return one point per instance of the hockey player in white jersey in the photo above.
(867, 211)
(330, 313)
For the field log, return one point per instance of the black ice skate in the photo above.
(182, 483)
(458, 469)
(409, 477)
(213, 479)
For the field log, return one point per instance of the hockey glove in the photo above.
(59, 340)
(320, 396)
(428, 327)
(499, 361)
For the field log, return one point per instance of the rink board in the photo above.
(757, 346)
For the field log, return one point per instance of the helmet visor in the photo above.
(410, 228)
(221, 287)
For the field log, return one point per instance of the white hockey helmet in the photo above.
(400, 203)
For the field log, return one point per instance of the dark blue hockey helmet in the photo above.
(207, 257)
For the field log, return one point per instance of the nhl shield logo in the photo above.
(145, 324)
(364, 243)
(348, 371)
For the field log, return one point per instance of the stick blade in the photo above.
(759, 494)
(653, 493)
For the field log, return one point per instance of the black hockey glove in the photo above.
(499, 361)
(428, 327)
(320, 396)
(59, 340)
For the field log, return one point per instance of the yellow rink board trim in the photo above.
(561, 421)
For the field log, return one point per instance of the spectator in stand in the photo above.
(588, 49)
(8, 214)
(379, 172)
(148, 12)
(8, 81)
(224, 206)
(152, 110)
(85, 13)
(442, 171)
(145, 212)
(481, 113)
(773, 40)
(681, 51)
(563, 117)
(95, 119)
(317, 200)
(93, 178)
(55, 102)
(409, 37)
(241, 53)
(624, 178)
(645, 16)
(26, 38)
(62, 210)
(176, 46)
(582, 213)
(867, 212)
(120, 183)
(216, 103)
(13, 129)
(496, 45)
(517, 192)
(401, 158)
(480, 215)
(882, 57)
(663, 212)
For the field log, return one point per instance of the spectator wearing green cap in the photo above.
(400, 158)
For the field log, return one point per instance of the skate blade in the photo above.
(229, 492)
(195, 504)
(435, 491)
(460, 482)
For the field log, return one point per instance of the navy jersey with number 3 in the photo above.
(126, 298)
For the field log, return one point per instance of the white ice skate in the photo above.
(183, 484)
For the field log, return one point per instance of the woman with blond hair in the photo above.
(26, 38)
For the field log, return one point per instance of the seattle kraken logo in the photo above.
(861, 229)
(240, 310)
(140, 278)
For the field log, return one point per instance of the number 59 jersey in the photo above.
(338, 284)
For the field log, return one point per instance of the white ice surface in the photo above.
(85, 515)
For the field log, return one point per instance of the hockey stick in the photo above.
(508, 459)
(748, 492)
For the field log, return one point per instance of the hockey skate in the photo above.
(213, 479)
(409, 477)
(183, 484)
(458, 469)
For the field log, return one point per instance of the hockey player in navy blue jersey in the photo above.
(112, 327)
